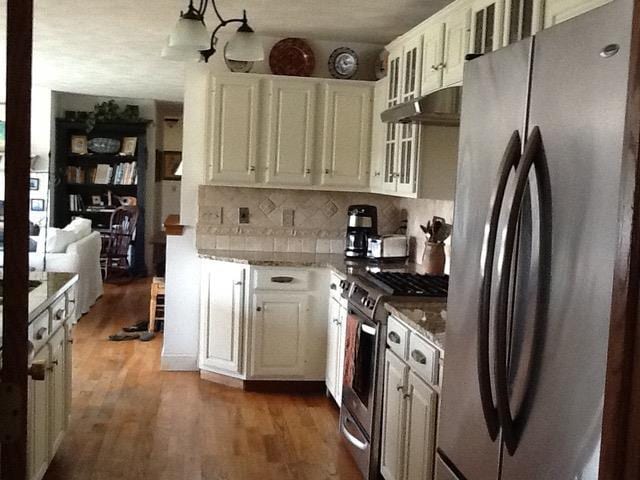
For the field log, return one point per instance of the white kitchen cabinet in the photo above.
(411, 67)
(346, 135)
(334, 327)
(234, 112)
(222, 316)
(378, 134)
(291, 127)
(394, 75)
(432, 57)
(420, 429)
(279, 335)
(557, 11)
(57, 370)
(456, 44)
(393, 420)
(522, 18)
(38, 450)
(486, 25)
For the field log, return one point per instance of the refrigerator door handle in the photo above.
(532, 158)
(509, 162)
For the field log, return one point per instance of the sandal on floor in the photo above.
(120, 336)
(137, 327)
(147, 336)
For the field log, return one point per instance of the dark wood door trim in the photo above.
(620, 453)
(16, 234)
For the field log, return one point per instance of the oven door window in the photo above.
(360, 353)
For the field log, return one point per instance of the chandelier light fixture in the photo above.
(190, 40)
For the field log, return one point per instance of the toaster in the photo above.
(388, 247)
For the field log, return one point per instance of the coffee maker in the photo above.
(362, 223)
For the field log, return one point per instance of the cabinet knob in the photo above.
(252, 168)
(258, 309)
(237, 283)
(308, 171)
(442, 66)
(399, 388)
(406, 395)
(37, 371)
(434, 68)
(326, 171)
(377, 174)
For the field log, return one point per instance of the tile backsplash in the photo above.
(300, 220)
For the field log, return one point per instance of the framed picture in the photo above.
(129, 146)
(96, 201)
(37, 205)
(79, 144)
(170, 163)
(34, 183)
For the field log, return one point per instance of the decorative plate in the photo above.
(235, 65)
(104, 145)
(343, 63)
(292, 56)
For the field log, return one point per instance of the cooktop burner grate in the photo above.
(411, 284)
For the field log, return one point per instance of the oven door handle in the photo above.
(368, 330)
(351, 437)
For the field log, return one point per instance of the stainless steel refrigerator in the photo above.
(535, 233)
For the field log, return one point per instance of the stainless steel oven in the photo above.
(361, 392)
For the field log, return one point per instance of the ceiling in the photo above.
(112, 47)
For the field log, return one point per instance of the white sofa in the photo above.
(75, 249)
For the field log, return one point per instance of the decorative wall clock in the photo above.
(343, 63)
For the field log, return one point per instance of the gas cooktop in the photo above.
(410, 284)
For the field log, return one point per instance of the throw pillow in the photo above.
(59, 239)
(81, 227)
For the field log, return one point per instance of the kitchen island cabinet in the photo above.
(262, 322)
(52, 314)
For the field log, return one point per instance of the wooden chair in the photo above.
(115, 244)
(157, 288)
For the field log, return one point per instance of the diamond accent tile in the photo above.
(329, 209)
(267, 206)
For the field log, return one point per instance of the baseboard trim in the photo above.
(179, 363)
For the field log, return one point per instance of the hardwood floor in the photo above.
(132, 421)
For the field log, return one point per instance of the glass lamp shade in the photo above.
(180, 54)
(189, 32)
(245, 46)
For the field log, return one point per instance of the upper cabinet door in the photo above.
(378, 132)
(291, 131)
(456, 45)
(432, 57)
(407, 163)
(486, 25)
(394, 69)
(347, 135)
(234, 136)
(411, 68)
(522, 18)
(557, 11)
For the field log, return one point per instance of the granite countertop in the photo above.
(423, 316)
(335, 261)
(52, 284)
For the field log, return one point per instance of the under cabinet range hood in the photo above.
(441, 107)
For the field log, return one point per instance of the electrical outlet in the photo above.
(288, 217)
(243, 215)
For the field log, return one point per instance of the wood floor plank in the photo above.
(131, 421)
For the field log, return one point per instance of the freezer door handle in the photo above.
(508, 164)
(533, 159)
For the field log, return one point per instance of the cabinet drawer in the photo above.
(397, 337)
(281, 279)
(423, 359)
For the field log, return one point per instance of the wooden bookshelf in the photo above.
(65, 161)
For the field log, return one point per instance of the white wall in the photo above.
(71, 101)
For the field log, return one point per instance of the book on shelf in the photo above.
(125, 173)
(75, 203)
